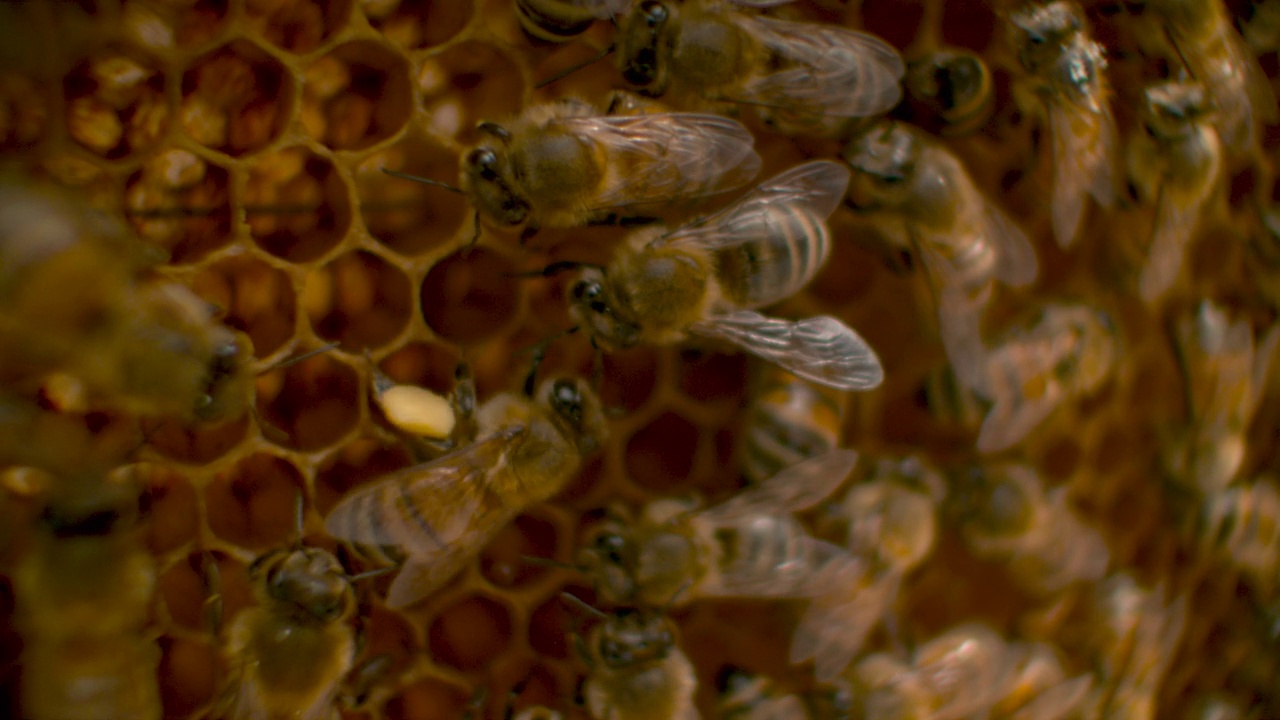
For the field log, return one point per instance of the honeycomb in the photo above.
(246, 138)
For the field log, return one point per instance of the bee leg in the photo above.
(464, 404)
(527, 234)
(213, 594)
(475, 233)
(364, 680)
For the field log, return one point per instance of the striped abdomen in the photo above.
(790, 421)
(787, 246)
(775, 547)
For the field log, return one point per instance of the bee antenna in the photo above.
(582, 605)
(675, 596)
(423, 180)
(299, 521)
(370, 574)
(539, 354)
(287, 362)
(575, 68)
(555, 268)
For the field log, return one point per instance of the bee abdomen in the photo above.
(788, 246)
(769, 544)
(790, 422)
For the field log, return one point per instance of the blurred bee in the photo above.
(750, 546)
(705, 277)
(789, 420)
(560, 20)
(1217, 706)
(919, 195)
(1069, 351)
(1174, 163)
(744, 696)
(961, 673)
(1006, 515)
(563, 165)
(1226, 376)
(83, 594)
(1261, 30)
(950, 92)
(803, 78)
(1040, 689)
(1241, 525)
(435, 517)
(1205, 41)
(1137, 636)
(1064, 82)
(73, 298)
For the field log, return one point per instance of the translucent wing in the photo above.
(1240, 89)
(835, 626)
(1174, 225)
(821, 349)
(825, 70)
(1082, 146)
(803, 576)
(659, 158)
(1013, 415)
(1016, 263)
(1058, 702)
(959, 324)
(796, 488)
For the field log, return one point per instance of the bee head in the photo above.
(225, 379)
(885, 158)
(608, 558)
(308, 583)
(486, 179)
(640, 45)
(950, 81)
(1039, 33)
(579, 411)
(632, 636)
(1174, 107)
(591, 303)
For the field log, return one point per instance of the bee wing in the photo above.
(1013, 415)
(1258, 102)
(794, 489)
(1016, 263)
(835, 625)
(1057, 702)
(959, 325)
(1174, 224)
(828, 70)
(820, 349)
(661, 157)
(746, 578)
(1082, 147)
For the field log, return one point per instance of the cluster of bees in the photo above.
(90, 331)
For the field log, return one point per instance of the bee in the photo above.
(920, 196)
(1040, 689)
(1241, 524)
(1205, 41)
(1226, 373)
(435, 517)
(1175, 162)
(1006, 514)
(74, 297)
(705, 277)
(636, 671)
(83, 594)
(1067, 352)
(750, 546)
(788, 421)
(560, 20)
(744, 696)
(1136, 637)
(563, 165)
(803, 78)
(951, 91)
(961, 673)
(1064, 81)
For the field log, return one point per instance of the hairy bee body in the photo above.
(788, 421)
(1241, 524)
(1137, 634)
(636, 670)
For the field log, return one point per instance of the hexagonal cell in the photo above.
(169, 502)
(359, 461)
(502, 561)
(24, 111)
(368, 300)
(429, 699)
(189, 672)
(355, 96)
(418, 23)
(660, 455)
(469, 82)
(469, 633)
(255, 298)
(309, 405)
(411, 217)
(298, 26)
(253, 504)
(185, 587)
(708, 376)
(194, 444)
(180, 203)
(171, 25)
(296, 204)
(234, 99)
(116, 103)
(469, 296)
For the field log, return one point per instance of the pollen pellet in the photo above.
(418, 410)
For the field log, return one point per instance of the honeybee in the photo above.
(789, 420)
(748, 546)
(437, 516)
(744, 696)
(803, 78)
(1040, 689)
(1175, 162)
(919, 195)
(562, 165)
(1005, 514)
(1226, 374)
(705, 277)
(73, 297)
(1064, 81)
(1069, 351)
(1138, 634)
(559, 20)
(951, 91)
(1241, 524)
(83, 594)
(1205, 41)
(636, 671)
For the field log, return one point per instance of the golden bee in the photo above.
(1040, 688)
(950, 91)
(74, 297)
(435, 517)
(564, 165)
(802, 78)
(1064, 82)
(83, 595)
(1006, 514)
(1241, 525)
(1204, 40)
(750, 546)
(1136, 638)
(704, 278)
(1175, 162)
(636, 671)
(789, 420)
(1068, 351)
(560, 20)
(920, 196)
(1226, 372)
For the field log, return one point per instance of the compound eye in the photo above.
(485, 162)
(655, 13)
(586, 291)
